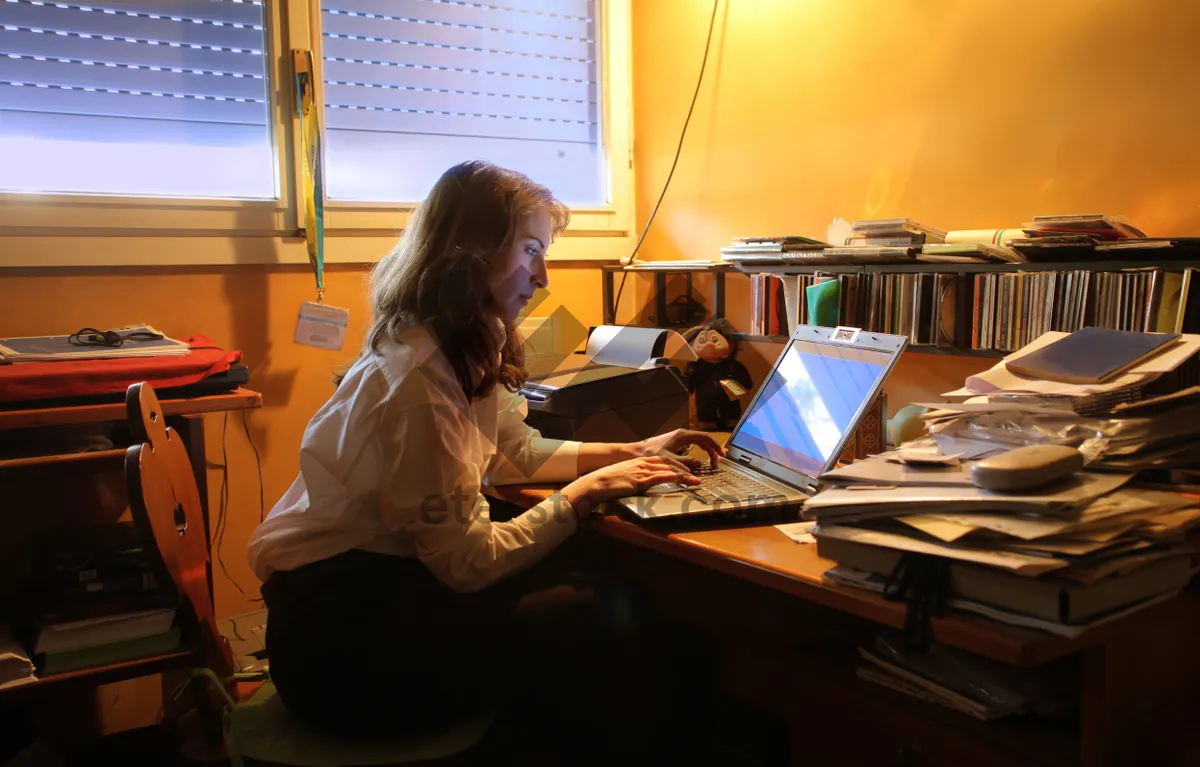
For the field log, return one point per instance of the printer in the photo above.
(624, 388)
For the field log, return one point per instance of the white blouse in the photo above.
(393, 463)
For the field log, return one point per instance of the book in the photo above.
(1045, 597)
(879, 226)
(1091, 355)
(62, 662)
(105, 629)
(1108, 227)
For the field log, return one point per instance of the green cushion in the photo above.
(261, 728)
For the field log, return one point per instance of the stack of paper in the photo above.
(137, 341)
(1060, 557)
(1139, 419)
(1060, 568)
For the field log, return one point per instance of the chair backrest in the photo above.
(166, 509)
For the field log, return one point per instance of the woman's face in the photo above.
(520, 269)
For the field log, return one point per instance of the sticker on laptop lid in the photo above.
(322, 326)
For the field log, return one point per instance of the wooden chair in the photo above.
(166, 510)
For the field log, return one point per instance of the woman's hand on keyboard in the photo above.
(632, 477)
(672, 444)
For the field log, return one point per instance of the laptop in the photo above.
(793, 431)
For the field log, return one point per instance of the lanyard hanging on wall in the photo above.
(318, 325)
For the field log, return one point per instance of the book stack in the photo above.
(893, 233)
(773, 251)
(1062, 557)
(1071, 238)
(99, 602)
(134, 341)
(1011, 310)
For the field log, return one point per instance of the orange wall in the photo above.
(958, 113)
(252, 308)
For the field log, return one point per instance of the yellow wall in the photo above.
(958, 113)
(252, 308)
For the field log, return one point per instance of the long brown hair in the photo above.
(437, 275)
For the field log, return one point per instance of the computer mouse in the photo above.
(665, 488)
(1026, 468)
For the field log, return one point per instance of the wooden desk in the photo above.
(183, 415)
(1136, 673)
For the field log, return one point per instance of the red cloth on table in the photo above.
(83, 378)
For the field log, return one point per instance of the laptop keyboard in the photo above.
(722, 484)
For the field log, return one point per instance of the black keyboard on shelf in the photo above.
(724, 484)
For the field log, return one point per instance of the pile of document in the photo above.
(1141, 418)
(1062, 557)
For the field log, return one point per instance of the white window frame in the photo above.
(36, 216)
(99, 230)
(615, 218)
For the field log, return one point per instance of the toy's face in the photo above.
(711, 346)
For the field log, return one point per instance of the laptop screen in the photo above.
(809, 403)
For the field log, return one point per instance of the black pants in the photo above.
(363, 644)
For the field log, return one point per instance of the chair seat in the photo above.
(262, 731)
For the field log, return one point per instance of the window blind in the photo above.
(414, 86)
(157, 97)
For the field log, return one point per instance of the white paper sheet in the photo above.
(634, 347)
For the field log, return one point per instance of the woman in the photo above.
(394, 600)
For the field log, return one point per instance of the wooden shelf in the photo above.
(44, 460)
(238, 399)
(917, 267)
(956, 352)
(951, 351)
(761, 339)
(113, 672)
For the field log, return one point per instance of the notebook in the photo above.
(1091, 355)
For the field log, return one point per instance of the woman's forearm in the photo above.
(595, 455)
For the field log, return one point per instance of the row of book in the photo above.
(920, 306)
(1011, 310)
(1006, 309)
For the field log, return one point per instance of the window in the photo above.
(415, 86)
(155, 98)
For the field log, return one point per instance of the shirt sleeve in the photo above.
(523, 455)
(432, 492)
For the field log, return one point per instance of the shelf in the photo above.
(238, 399)
(952, 352)
(668, 267)
(113, 672)
(761, 339)
(956, 352)
(909, 268)
(44, 460)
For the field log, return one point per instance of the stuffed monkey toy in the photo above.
(716, 379)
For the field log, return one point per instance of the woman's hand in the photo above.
(672, 444)
(618, 480)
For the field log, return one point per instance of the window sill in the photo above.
(76, 248)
